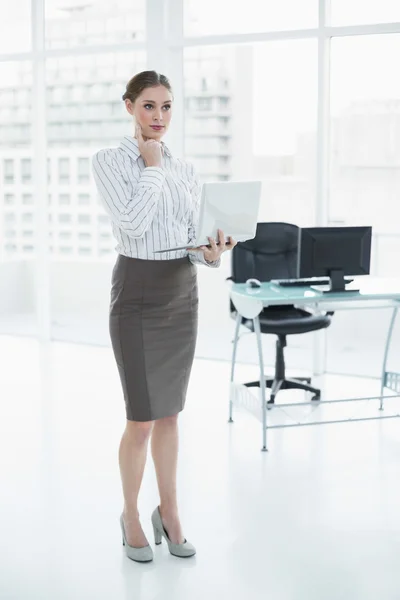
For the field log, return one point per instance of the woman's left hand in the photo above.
(213, 252)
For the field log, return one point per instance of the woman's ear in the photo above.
(129, 106)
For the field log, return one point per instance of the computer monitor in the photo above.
(334, 252)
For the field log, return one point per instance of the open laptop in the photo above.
(231, 206)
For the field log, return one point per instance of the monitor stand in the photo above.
(338, 282)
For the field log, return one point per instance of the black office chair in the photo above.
(272, 254)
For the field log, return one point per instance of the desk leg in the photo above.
(385, 357)
(319, 352)
(235, 343)
(262, 382)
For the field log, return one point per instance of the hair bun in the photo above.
(143, 80)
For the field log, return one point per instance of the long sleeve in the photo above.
(197, 257)
(133, 211)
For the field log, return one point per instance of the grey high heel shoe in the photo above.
(182, 550)
(144, 554)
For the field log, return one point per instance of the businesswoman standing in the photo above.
(152, 199)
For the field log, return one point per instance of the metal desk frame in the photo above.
(250, 302)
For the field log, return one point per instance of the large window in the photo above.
(365, 178)
(17, 206)
(360, 12)
(207, 17)
(252, 93)
(84, 113)
(70, 24)
(365, 143)
(15, 26)
(244, 120)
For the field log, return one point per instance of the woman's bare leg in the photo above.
(164, 446)
(132, 460)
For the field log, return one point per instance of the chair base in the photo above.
(298, 383)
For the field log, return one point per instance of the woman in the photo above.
(153, 200)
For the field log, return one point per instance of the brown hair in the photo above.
(143, 80)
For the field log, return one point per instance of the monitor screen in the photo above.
(322, 250)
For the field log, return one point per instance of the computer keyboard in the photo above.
(306, 282)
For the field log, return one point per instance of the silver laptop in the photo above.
(231, 206)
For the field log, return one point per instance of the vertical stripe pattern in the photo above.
(150, 208)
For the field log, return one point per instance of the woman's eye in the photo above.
(150, 106)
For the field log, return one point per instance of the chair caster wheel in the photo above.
(315, 398)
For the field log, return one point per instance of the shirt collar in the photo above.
(130, 145)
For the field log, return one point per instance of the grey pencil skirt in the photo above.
(153, 330)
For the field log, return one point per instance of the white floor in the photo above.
(315, 518)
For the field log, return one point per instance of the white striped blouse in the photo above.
(151, 208)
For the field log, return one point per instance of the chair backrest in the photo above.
(271, 254)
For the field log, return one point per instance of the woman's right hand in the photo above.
(149, 149)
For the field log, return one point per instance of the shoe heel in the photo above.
(123, 542)
(157, 536)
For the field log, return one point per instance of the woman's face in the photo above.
(152, 110)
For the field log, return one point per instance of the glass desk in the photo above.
(363, 292)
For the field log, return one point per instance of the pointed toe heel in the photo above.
(144, 554)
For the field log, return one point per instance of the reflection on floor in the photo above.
(314, 518)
